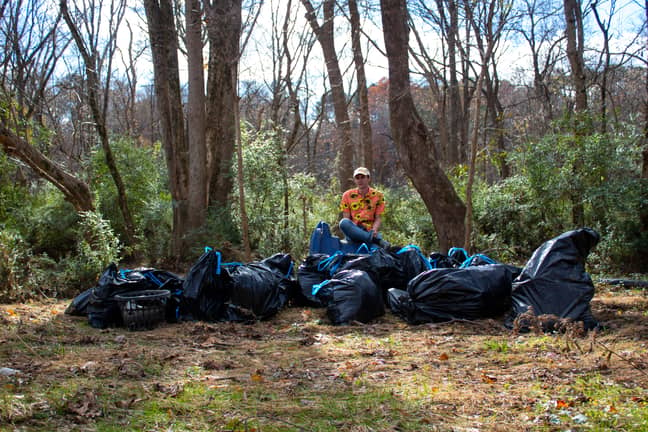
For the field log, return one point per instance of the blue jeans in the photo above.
(356, 233)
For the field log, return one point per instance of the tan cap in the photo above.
(361, 170)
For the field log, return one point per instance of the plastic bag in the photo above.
(450, 293)
(102, 307)
(554, 280)
(383, 267)
(412, 264)
(206, 289)
(259, 287)
(316, 269)
(351, 296)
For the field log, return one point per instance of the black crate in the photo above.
(143, 310)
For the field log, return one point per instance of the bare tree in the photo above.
(326, 36)
(363, 97)
(488, 23)
(575, 32)
(605, 59)
(32, 48)
(412, 137)
(99, 59)
(224, 20)
(539, 28)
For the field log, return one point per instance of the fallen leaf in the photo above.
(257, 376)
(563, 404)
(444, 357)
(488, 379)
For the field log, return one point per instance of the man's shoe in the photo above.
(384, 244)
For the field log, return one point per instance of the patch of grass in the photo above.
(292, 374)
(497, 345)
(598, 404)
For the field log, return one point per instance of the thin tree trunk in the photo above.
(325, 36)
(90, 61)
(471, 166)
(644, 169)
(245, 225)
(363, 94)
(575, 47)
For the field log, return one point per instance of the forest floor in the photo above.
(296, 372)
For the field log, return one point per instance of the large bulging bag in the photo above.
(554, 280)
(444, 294)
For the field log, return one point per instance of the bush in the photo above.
(25, 274)
(143, 171)
(599, 172)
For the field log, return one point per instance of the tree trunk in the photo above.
(454, 155)
(326, 37)
(90, 54)
(224, 33)
(363, 96)
(164, 50)
(76, 191)
(575, 47)
(644, 168)
(412, 139)
(197, 187)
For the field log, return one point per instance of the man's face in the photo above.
(361, 180)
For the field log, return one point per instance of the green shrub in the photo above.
(143, 171)
(406, 220)
(599, 172)
(274, 226)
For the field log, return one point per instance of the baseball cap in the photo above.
(361, 170)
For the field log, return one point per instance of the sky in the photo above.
(256, 61)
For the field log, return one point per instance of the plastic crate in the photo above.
(143, 310)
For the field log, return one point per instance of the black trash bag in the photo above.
(284, 265)
(103, 309)
(554, 281)
(412, 264)
(352, 296)
(259, 287)
(174, 303)
(458, 256)
(440, 260)
(383, 267)
(206, 289)
(79, 304)
(477, 260)
(314, 270)
(444, 294)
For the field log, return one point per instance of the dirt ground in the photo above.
(459, 376)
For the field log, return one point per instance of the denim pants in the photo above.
(356, 233)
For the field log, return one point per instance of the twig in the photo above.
(611, 352)
(29, 347)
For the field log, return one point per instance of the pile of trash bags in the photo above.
(360, 287)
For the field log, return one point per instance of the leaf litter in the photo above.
(446, 376)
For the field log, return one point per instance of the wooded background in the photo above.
(147, 131)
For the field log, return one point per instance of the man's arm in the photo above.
(376, 225)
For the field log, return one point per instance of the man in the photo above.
(361, 209)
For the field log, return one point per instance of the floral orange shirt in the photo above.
(363, 209)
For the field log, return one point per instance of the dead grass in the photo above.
(298, 373)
